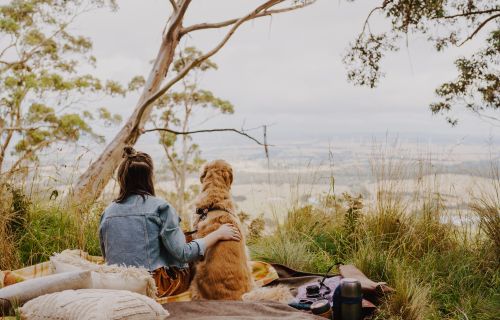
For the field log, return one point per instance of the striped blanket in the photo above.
(263, 273)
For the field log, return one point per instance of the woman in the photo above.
(140, 230)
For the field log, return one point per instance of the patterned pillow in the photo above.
(98, 304)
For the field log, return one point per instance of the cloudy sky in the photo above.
(287, 71)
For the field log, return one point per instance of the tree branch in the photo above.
(27, 55)
(470, 13)
(15, 117)
(479, 28)
(26, 128)
(204, 26)
(174, 5)
(486, 117)
(5, 50)
(182, 73)
(241, 132)
(177, 19)
(367, 20)
(25, 156)
(172, 161)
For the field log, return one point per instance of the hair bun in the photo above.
(128, 151)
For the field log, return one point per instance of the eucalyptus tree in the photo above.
(176, 110)
(42, 90)
(161, 79)
(445, 23)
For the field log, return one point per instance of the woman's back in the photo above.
(129, 233)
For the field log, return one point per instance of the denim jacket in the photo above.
(145, 233)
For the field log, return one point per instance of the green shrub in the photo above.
(52, 229)
(32, 230)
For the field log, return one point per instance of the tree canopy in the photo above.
(44, 96)
(445, 23)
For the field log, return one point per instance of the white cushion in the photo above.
(17, 294)
(96, 304)
(105, 276)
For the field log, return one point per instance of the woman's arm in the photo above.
(175, 242)
(224, 232)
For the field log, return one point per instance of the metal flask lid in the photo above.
(350, 288)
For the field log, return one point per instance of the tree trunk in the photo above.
(181, 183)
(182, 187)
(93, 181)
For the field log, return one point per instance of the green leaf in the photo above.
(136, 83)
(114, 88)
(39, 112)
(8, 25)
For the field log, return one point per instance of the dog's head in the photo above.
(217, 172)
(216, 179)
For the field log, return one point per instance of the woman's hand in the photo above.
(228, 232)
(224, 232)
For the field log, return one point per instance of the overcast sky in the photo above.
(287, 70)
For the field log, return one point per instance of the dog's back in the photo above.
(224, 273)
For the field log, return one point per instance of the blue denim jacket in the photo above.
(145, 233)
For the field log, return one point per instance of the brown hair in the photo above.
(135, 175)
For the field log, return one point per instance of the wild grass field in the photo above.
(440, 270)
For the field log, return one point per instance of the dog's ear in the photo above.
(203, 173)
(228, 176)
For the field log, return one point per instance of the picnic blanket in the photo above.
(372, 291)
(243, 310)
(238, 310)
(262, 273)
(8, 277)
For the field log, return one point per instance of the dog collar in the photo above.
(203, 212)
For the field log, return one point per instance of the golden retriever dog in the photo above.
(224, 273)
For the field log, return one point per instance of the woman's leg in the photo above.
(172, 281)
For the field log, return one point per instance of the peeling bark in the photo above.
(91, 183)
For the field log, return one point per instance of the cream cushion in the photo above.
(17, 294)
(105, 276)
(98, 304)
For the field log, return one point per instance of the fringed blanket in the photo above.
(263, 274)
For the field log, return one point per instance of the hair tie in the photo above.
(129, 152)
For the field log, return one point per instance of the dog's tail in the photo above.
(279, 293)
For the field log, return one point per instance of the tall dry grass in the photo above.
(404, 237)
(8, 257)
(486, 205)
